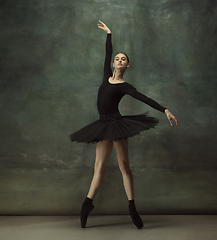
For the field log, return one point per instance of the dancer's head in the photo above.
(121, 60)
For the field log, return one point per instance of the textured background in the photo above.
(51, 64)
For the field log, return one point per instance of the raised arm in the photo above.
(109, 50)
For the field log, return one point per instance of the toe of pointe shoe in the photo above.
(140, 225)
(84, 215)
(83, 222)
(138, 221)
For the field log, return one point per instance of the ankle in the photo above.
(88, 201)
(131, 204)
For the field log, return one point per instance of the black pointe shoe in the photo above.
(85, 210)
(136, 220)
(135, 216)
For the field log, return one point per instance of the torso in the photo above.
(109, 95)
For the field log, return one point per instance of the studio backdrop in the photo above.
(51, 65)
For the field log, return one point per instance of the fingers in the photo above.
(176, 121)
(170, 116)
(101, 22)
(102, 26)
(171, 123)
(174, 118)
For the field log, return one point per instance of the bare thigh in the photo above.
(103, 151)
(121, 148)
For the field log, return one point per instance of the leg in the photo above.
(121, 148)
(103, 151)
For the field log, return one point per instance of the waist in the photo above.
(110, 117)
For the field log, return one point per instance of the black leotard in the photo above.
(109, 95)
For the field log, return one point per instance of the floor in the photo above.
(110, 227)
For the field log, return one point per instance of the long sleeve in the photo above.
(107, 64)
(130, 90)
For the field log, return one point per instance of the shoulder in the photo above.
(127, 88)
(128, 85)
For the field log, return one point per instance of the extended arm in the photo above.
(109, 50)
(137, 95)
(134, 93)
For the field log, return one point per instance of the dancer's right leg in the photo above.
(103, 151)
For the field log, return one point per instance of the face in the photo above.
(120, 61)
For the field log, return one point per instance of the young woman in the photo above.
(114, 129)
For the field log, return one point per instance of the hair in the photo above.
(128, 60)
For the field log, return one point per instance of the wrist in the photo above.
(109, 32)
(166, 111)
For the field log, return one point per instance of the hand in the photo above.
(170, 116)
(103, 27)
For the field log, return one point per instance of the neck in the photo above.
(118, 74)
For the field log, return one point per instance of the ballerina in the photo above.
(114, 129)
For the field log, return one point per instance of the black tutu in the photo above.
(114, 127)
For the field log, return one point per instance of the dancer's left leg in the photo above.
(121, 148)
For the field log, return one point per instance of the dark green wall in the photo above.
(51, 62)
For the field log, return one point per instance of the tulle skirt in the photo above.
(114, 127)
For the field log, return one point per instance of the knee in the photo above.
(99, 167)
(124, 167)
